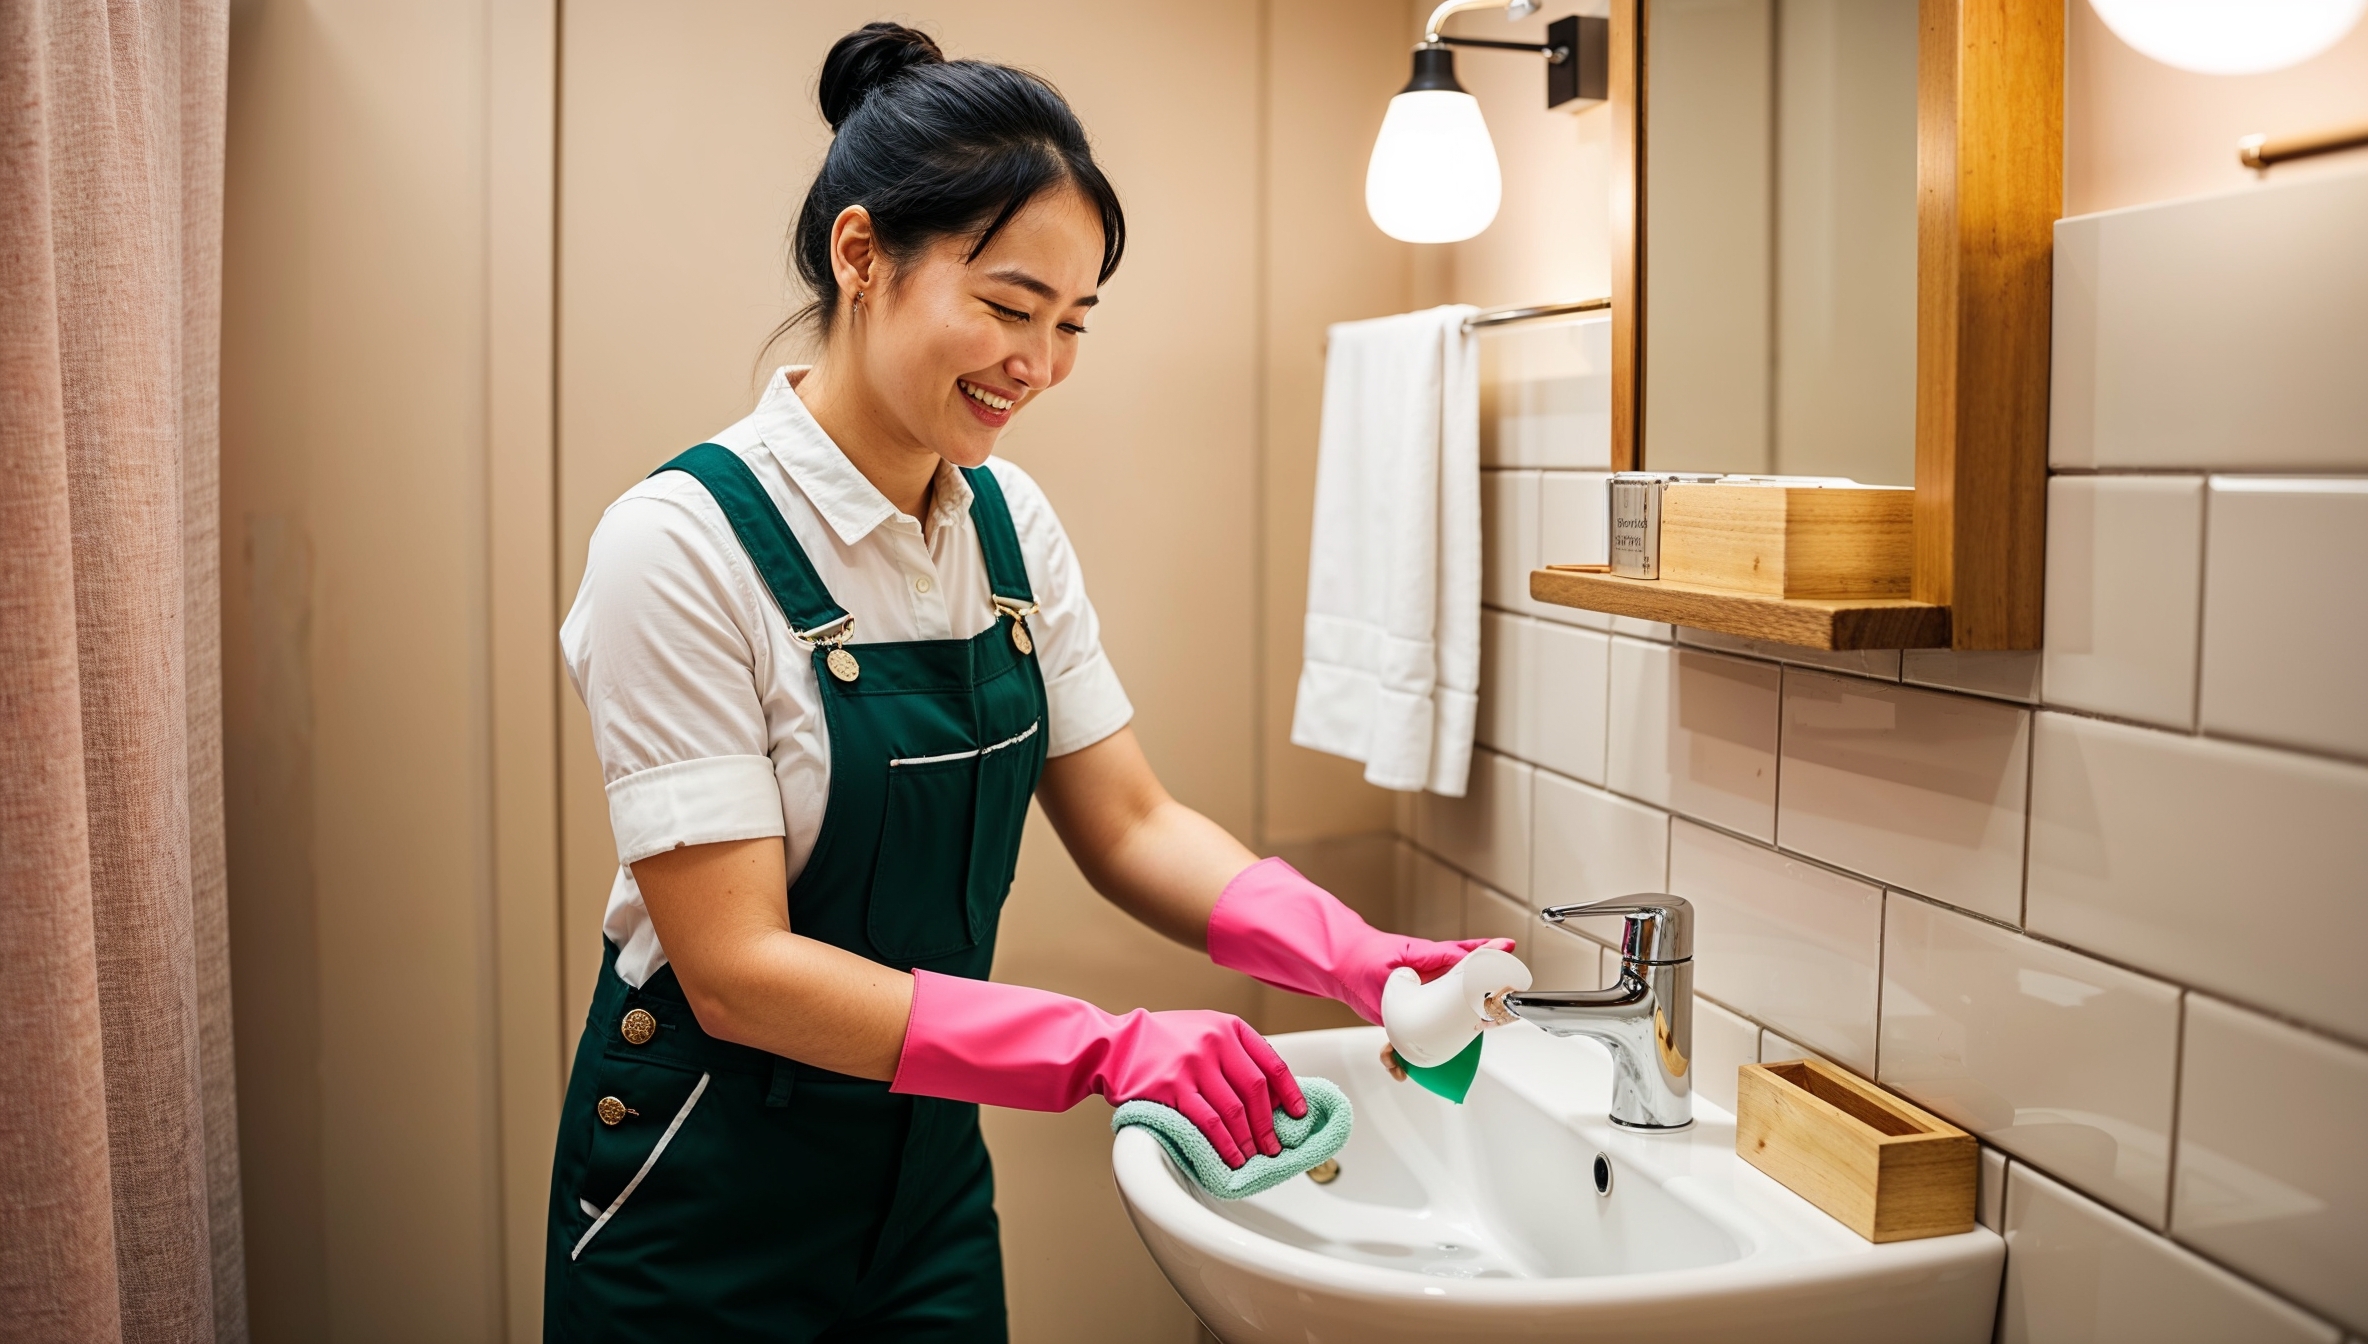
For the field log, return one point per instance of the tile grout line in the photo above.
(2203, 610)
(2170, 1175)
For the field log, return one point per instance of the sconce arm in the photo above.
(1431, 36)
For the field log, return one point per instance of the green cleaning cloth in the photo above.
(1452, 1079)
(1307, 1141)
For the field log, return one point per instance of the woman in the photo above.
(833, 653)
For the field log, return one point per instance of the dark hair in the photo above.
(933, 149)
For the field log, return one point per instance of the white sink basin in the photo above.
(1481, 1222)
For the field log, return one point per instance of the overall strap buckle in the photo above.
(1019, 610)
(841, 663)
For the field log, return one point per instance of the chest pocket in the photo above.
(949, 846)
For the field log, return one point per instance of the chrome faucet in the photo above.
(1647, 1019)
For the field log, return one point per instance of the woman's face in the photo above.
(956, 348)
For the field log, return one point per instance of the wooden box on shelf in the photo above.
(1885, 1169)
(1790, 541)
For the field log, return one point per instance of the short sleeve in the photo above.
(1085, 702)
(662, 645)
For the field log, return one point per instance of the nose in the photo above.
(1030, 362)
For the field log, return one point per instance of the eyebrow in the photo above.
(1013, 275)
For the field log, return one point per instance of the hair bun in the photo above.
(866, 59)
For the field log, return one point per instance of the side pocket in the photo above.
(616, 1146)
(916, 908)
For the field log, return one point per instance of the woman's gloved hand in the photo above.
(1286, 931)
(1008, 1045)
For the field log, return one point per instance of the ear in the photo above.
(854, 250)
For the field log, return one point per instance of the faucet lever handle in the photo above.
(1659, 928)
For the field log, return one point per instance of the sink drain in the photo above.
(1603, 1174)
(1325, 1172)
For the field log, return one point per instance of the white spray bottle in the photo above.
(1429, 1025)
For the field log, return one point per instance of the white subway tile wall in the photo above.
(2217, 334)
(1589, 845)
(2077, 1273)
(1881, 664)
(1546, 396)
(2168, 853)
(1508, 539)
(2124, 574)
(1558, 958)
(1435, 893)
(1506, 668)
(2286, 613)
(1696, 733)
(2006, 675)
(1775, 1049)
(1486, 832)
(1660, 631)
(1492, 914)
(1785, 941)
(1724, 1042)
(1919, 789)
(1574, 525)
(1568, 700)
(2270, 1175)
(1989, 1201)
(2058, 1058)
(2128, 876)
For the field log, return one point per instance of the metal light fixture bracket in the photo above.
(1577, 52)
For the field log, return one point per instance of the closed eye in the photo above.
(1003, 314)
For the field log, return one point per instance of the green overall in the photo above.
(704, 1190)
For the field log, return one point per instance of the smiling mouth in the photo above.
(998, 404)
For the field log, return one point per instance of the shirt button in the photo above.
(639, 1026)
(921, 584)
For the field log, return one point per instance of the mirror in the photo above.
(1778, 266)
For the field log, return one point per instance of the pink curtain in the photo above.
(119, 1213)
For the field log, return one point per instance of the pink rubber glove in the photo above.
(1274, 925)
(1008, 1045)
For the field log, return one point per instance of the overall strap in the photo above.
(805, 603)
(1007, 571)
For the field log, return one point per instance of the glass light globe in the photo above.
(1433, 176)
(2230, 37)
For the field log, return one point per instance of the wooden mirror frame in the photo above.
(1989, 187)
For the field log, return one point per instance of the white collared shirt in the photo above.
(705, 713)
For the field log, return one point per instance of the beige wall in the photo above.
(2137, 131)
(357, 694)
(439, 368)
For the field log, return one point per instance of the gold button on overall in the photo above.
(843, 665)
(638, 1027)
(1019, 636)
(612, 1111)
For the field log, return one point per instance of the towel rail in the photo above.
(1498, 317)
(2258, 152)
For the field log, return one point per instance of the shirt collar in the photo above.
(849, 502)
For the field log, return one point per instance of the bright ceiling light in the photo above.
(1433, 177)
(2230, 37)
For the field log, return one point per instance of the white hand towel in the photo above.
(1392, 670)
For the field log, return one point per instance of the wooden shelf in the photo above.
(1812, 623)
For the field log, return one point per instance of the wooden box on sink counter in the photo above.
(1829, 541)
(1887, 1170)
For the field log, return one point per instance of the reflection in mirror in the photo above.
(1779, 203)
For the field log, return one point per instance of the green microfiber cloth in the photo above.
(1452, 1079)
(1307, 1141)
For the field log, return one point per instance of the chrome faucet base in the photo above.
(1646, 1020)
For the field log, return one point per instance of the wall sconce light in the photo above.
(1433, 177)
